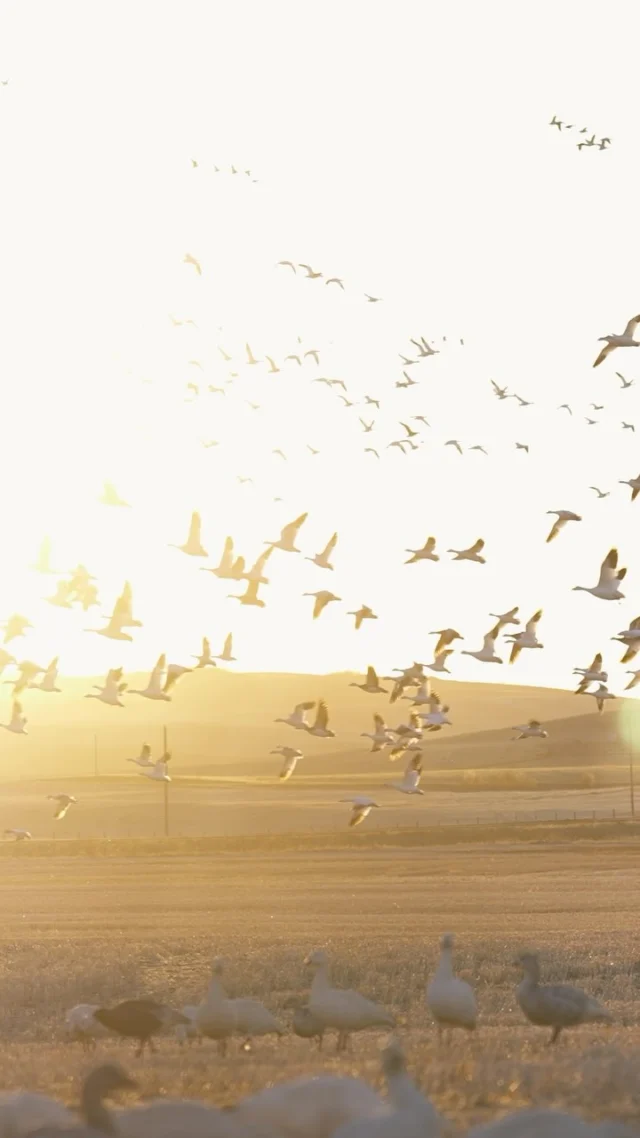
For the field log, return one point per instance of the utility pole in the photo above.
(166, 789)
(95, 756)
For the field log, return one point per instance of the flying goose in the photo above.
(436, 718)
(298, 719)
(290, 756)
(251, 359)
(412, 729)
(631, 639)
(256, 570)
(600, 493)
(250, 595)
(423, 696)
(189, 259)
(27, 673)
(144, 758)
(161, 680)
(619, 340)
(15, 626)
(322, 559)
(322, 599)
(446, 636)
(311, 273)
(607, 588)
(110, 496)
(48, 681)
(64, 802)
(526, 639)
(439, 663)
(360, 809)
(363, 613)
(506, 618)
(158, 771)
(320, 728)
(591, 675)
(372, 684)
(634, 483)
(112, 690)
(381, 736)
(18, 721)
(523, 446)
(288, 535)
(557, 1006)
(205, 659)
(500, 392)
(454, 443)
(473, 553)
(451, 1001)
(487, 654)
(193, 545)
(531, 730)
(562, 517)
(427, 553)
(601, 694)
(227, 650)
(625, 383)
(411, 780)
(227, 568)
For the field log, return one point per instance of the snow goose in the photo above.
(531, 730)
(158, 771)
(81, 1026)
(360, 809)
(257, 569)
(591, 675)
(435, 719)
(618, 340)
(290, 756)
(161, 680)
(139, 1020)
(227, 651)
(114, 630)
(18, 722)
(322, 599)
(363, 613)
(526, 639)
(451, 1001)
(100, 1083)
(298, 719)
(487, 654)
(227, 567)
(306, 1026)
(506, 618)
(600, 493)
(288, 535)
(250, 595)
(422, 696)
(48, 681)
(473, 553)
(27, 672)
(446, 637)
(554, 1005)
(320, 728)
(607, 588)
(562, 517)
(412, 729)
(440, 661)
(205, 659)
(15, 626)
(5, 659)
(427, 553)
(372, 684)
(341, 1008)
(381, 736)
(19, 835)
(309, 1107)
(634, 483)
(216, 1016)
(500, 392)
(144, 758)
(413, 1116)
(322, 559)
(401, 746)
(193, 545)
(601, 694)
(631, 639)
(411, 781)
(64, 802)
(454, 443)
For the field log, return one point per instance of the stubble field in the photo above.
(78, 929)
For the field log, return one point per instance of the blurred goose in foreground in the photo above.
(15, 626)
(193, 545)
(451, 1001)
(591, 675)
(487, 654)
(473, 553)
(97, 1086)
(381, 736)
(526, 639)
(19, 835)
(158, 771)
(531, 730)
(631, 639)
(411, 780)
(361, 807)
(562, 517)
(427, 553)
(607, 588)
(322, 599)
(64, 802)
(18, 721)
(557, 1006)
(290, 756)
(288, 535)
(372, 684)
(413, 1116)
(110, 496)
(322, 559)
(619, 340)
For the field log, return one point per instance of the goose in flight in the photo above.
(288, 265)
(123, 610)
(473, 553)
(427, 553)
(5, 658)
(446, 636)
(506, 618)
(189, 259)
(255, 572)
(607, 588)
(628, 427)
(619, 340)
(522, 402)
(290, 756)
(322, 559)
(20, 835)
(591, 675)
(64, 802)
(18, 721)
(601, 694)
(370, 450)
(523, 446)
(625, 383)
(500, 392)
(322, 598)
(161, 680)
(556, 122)
(48, 681)
(372, 684)
(633, 682)
(227, 650)
(311, 273)
(487, 654)
(193, 545)
(158, 771)
(110, 496)
(144, 758)
(600, 493)
(526, 639)
(404, 744)
(423, 696)
(411, 780)
(360, 809)
(205, 659)
(335, 280)
(320, 728)
(363, 613)
(372, 299)
(631, 639)
(531, 730)
(381, 736)
(288, 535)
(251, 359)
(435, 719)
(412, 729)
(440, 661)
(112, 690)
(14, 627)
(454, 443)
(250, 596)
(562, 517)
(27, 673)
(298, 719)
(227, 568)
(634, 483)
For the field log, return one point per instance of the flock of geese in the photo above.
(599, 143)
(325, 1106)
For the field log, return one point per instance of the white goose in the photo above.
(19, 835)
(413, 1116)
(114, 630)
(601, 694)
(227, 568)
(562, 517)
(591, 675)
(422, 696)
(343, 1009)
(205, 659)
(112, 690)
(446, 637)
(298, 719)
(360, 809)
(487, 654)
(473, 553)
(48, 681)
(531, 730)
(381, 736)
(451, 1001)
(144, 758)
(526, 639)
(607, 588)
(290, 756)
(193, 545)
(158, 771)
(18, 721)
(435, 719)
(427, 553)
(631, 639)
(288, 535)
(440, 662)
(371, 684)
(320, 728)
(411, 781)
(322, 559)
(64, 802)
(363, 613)
(619, 340)
(161, 680)
(216, 1017)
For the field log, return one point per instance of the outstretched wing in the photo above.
(631, 326)
(603, 354)
(608, 568)
(289, 532)
(329, 548)
(194, 528)
(322, 715)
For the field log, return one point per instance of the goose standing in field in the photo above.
(64, 802)
(250, 596)
(290, 756)
(288, 535)
(306, 1026)
(18, 721)
(381, 736)
(320, 727)
(361, 808)
(205, 659)
(144, 758)
(322, 599)
(252, 1018)
(363, 613)
(506, 618)
(562, 517)
(634, 483)
(601, 694)
(19, 835)
(630, 637)
(322, 559)
(526, 639)
(158, 771)
(139, 1020)
(427, 553)
(451, 1001)
(343, 1009)
(193, 545)
(216, 1016)
(557, 1006)
(372, 684)
(298, 719)
(48, 681)
(607, 588)
(531, 730)
(227, 650)
(473, 553)
(440, 661)
(411, 780)
(413, 1116)
(591, 675)
(486, 654)
(619, 340)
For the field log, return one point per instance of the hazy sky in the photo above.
(404, 147)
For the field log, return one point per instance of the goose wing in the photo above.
(300, 708)
(603, 354)
(372, 679)
(16, 713)
(206, 646)
(477, 546)
(596, 663)
(555, 529)
(228, 645)
(251, 592)
(530, 626)
(259, 564)
(329, 547)
(157, 677)
(322, 715)
(226, 561)
(608, 569)
(631, 326)
(288, 534)
(379, 723)
(194, 528)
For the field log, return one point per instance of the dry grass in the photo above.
(93, 929)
